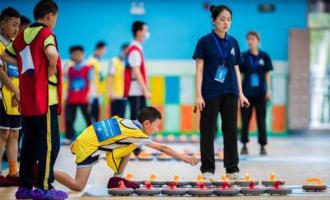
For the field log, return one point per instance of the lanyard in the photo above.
(254, 64)
(222, 52)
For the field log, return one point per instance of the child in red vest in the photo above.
(79, 77)
(35, 53)
(135, 82)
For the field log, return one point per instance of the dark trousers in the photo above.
(118, 107)
(70, 117)
(259, 103)
(135, 104)
(41, 142)
(228, 108)
(94, 110)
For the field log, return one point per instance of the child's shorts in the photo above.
(9, 122)
(89, 161)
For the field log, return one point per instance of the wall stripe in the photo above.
(157, 86)
(172, 89)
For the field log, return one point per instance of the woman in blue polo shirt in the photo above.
(256, 87)
(218, 88)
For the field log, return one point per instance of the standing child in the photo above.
(117, 138)
(116, 83)
(95, 62)
(79, 76)
(10, 119)
(40, 82)
(136, 86)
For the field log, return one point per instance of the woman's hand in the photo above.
(244, 101)
(200, 103)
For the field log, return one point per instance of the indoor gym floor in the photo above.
(292, 158)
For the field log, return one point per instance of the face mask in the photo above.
(147, 36)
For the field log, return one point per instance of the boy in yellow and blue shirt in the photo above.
(117, 138)
(10, 118)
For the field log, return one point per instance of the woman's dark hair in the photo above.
(149, 113)
(253, 33)
(216, 10)
(137, 26)
(43, 8)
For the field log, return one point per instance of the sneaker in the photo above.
(208, 176)
(39, 194)
(114, 183)
(233, 176)
(23, 193)
(12, 180)
(244, 150)
(56, 195)
(263, 151)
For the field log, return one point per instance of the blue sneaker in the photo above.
(56, 195)
(23, 193)
(39, 194)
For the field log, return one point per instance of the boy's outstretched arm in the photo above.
(171, 152)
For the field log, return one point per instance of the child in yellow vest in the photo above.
(95, 93)
(116, 83)
(117, 137)
(10, 118)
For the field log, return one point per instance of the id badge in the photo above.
(78, 84)
(12, 70)
(220, 76)
(106, 129)
(255, 80)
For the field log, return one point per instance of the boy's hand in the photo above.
(147, 94)
(190, 160)
(14, 103)
(15, 100)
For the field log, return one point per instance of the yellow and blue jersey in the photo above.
(12, 72)
(116, 136)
